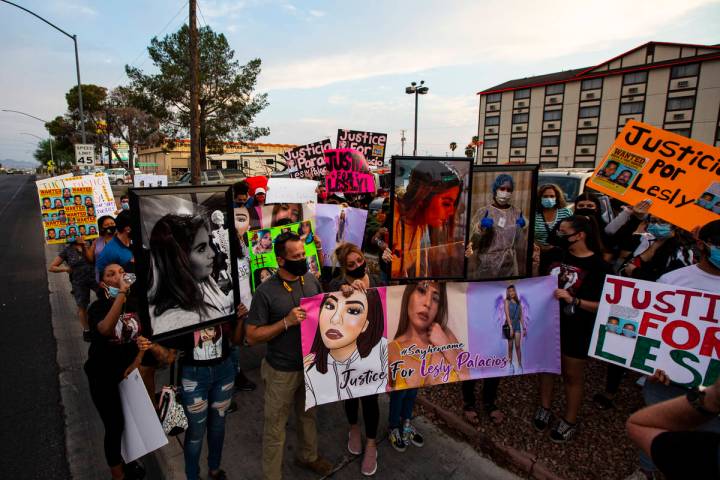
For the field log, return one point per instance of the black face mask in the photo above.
(296, 267)
(358, 272)
(108, 231)
(587, 212)
(563, 241)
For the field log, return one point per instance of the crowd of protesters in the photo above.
(583, 240)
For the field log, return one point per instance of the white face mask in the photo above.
(502, 197)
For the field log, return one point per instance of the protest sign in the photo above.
(67, 213)
(150, 180)
(335, 224)
(142, 431)
(306, 161)
(347, 172)
(291, 190)
(102, 191)
(645, 326)
(680, 175)
(263, 263)
(363, 344)
(274, 215)
(370, 144)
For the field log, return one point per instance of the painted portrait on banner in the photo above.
(187, 253)
(501, 213)
(430, 213)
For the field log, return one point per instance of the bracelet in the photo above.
(285, 323)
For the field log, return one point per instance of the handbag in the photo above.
(172, 415)
(506, 332)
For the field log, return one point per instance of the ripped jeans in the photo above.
(202, 387)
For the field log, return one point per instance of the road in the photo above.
(32, 437)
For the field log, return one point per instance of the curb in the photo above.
(520, 459)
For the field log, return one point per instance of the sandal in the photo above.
(471, 416)
(496, 415)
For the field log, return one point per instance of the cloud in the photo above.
(506, 32)
(221, 9)
(71, 7)
(317, 13)
(290, 7)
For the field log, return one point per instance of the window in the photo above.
(587, 139)
(681, 103)
(591, 84)
(520, 118)
(522, 94)
(555, 89)
(550, 141)
(685, 132)
(552, 115)
(631, 107)
(680, 71)
(633, 78)
(586, 112)
(492, 143)
(213, 174)
(518, 142)
(494, 97)
(490, 121)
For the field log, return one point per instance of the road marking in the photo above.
(12, 198)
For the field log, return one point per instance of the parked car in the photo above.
(573, 182)
(214, 177)
(118, 176)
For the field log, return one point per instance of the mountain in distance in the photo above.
(9, 163)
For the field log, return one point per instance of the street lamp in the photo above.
(52, 158)
(416, 89)
(77, 63)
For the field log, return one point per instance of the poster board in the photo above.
(679, 174)
(291, 190)
(307, 161)
(371, 145)
(142, 432)
(347, 172)
(67, 213)
(336, 224)
(645, 326)
(387, 357)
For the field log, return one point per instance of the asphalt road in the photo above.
(32, 436)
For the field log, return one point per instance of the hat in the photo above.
(260, 190)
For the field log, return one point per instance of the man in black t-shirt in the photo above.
(275, 317)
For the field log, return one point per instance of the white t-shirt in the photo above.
(691, 277)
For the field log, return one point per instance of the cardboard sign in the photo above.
(680, 175)
(291, 190)
(335, 224)
(306, 161)
(645, 326)
(347, 172)
(385, 355)
(150, 180)
(370, 144)
(67, 213)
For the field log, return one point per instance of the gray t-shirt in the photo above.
(271, 302)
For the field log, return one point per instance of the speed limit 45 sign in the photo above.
(85, 154)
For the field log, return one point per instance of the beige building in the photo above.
(570, 118)
(175, 162)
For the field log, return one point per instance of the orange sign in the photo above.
(679, 175)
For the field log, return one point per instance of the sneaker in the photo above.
(320, 466)
(563, 431)
(86, 336)
(244, 384)
(369, 462)
(232, 408)
(396, 440)
(602, 402)
(641, 474)
(219, 475)
(541, 420)
(354, 444)
(410, 435)
(134, 471)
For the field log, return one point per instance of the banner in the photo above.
(645, 326)
(67, 212)
(424, 334)
(335, 224)
(291, 190)
(371, 145)
(307, 161)
(263, 263)
(348, 172)
(103, 198)
(680, 175)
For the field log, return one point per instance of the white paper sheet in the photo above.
(291, 190)
(143, 433)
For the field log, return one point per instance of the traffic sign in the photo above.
(85, 154)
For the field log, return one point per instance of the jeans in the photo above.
(371, 413)
(106, 397)
(203, 387)
(402, 403)
(489, 393)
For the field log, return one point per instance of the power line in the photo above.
(201, 14)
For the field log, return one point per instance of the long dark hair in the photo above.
(170, 244)
(428, 179)
(441, 317)
(589, 226)
(366, 341)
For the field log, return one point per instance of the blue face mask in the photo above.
(612, 328)
(113, 291)
(714, 255)
(71, 239)
(547, 202)
(659, 230)
(125, 206)
(628, 333)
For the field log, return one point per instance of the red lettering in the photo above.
(646, 321)
(711, 343)
(688, 298)
(618, 283)
(710, 314)
(641, 305)
(669, 307)
(693, 335)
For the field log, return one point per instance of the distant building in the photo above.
(235, 155)
(570, 118)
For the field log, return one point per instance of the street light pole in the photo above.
(415, 134)
(52, 157)
(77, 61)
(416, 89)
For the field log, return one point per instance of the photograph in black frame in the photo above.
(184, 258)
(429, 204)
(502, 216)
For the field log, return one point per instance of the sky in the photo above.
(342, 64)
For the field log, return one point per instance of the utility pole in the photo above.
(402, 143)
(194, 96)
(109, 141)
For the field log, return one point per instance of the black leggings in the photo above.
(106, 397)
(371, 413)
(489, 393)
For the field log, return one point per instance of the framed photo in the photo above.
(186, 251)
(502, 214)
(429, 203)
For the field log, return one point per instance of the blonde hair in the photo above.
(342, 251)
